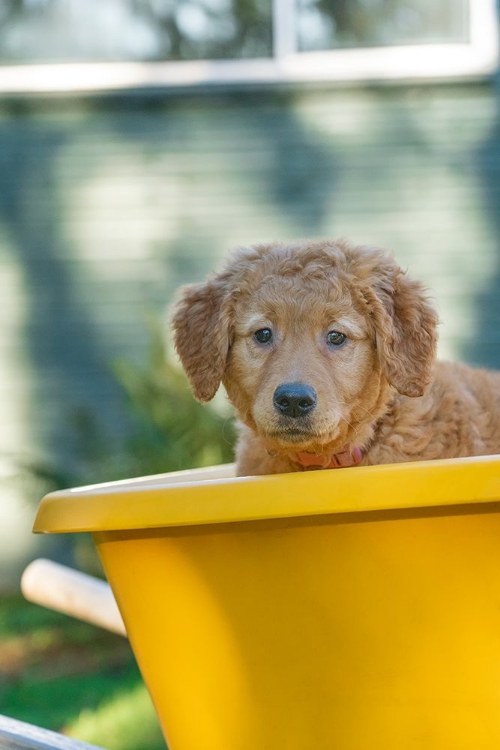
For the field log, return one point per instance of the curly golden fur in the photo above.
(350, 341)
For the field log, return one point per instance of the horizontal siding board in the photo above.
(107, 205)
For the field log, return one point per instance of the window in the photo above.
(71, 45)
(330, 24)
(64, 31)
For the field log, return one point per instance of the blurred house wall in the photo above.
(108, 204)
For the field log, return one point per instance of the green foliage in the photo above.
(69, 676)
(166, 429)
(126, 721)
(173, 431)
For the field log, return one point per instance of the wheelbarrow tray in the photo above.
(353, 609)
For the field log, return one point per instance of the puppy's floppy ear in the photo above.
(406, 331)
(201, 324)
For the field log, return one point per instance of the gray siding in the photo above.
(108, 204)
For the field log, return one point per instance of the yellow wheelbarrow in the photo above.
(329, 610)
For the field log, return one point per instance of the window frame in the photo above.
(477, 58)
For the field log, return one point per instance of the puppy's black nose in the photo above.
(294, 399)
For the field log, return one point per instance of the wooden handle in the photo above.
(66, 590)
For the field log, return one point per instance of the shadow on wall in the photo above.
(304, 171)
(488, 304)
(485, 346)
(291, 172)
(62, 343)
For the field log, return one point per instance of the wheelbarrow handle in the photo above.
(74, 593)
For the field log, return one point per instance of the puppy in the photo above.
(327, 352)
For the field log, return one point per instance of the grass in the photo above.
(71, 677)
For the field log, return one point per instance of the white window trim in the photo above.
(477, 58)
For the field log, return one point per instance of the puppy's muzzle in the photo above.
(294, 400)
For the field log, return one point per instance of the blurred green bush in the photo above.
(173, 431)
(167, 430)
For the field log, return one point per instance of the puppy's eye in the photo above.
(335, 338)
(263, 335)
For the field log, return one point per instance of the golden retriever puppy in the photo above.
(327, 352)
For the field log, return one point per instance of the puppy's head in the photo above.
(309, 340)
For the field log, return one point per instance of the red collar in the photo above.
(343, 460)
